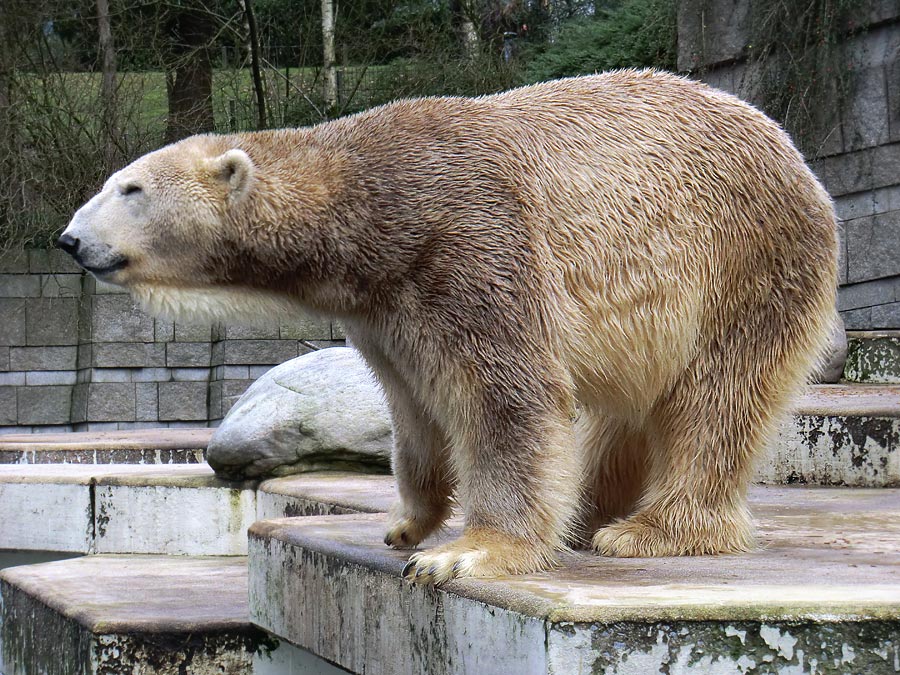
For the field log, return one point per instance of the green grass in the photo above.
(73, 99)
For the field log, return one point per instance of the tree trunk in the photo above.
(7, 142)
(5, 72)
(330, 92)
(253, 38)
(190, 97)
(108, 84)
(466, 31)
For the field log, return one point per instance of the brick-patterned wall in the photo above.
(78, 355)
(858, 152)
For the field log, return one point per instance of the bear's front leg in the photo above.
(513, 456)
(420, 464)
(424, 481)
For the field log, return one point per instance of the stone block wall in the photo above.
(78, 355)
(857, 155)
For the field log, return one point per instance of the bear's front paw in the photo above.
(405, 533)
(410, 524)
(641, 538)
(478, 553)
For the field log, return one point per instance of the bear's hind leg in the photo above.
(703, 439)
(615, 468)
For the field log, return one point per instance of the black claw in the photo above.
(387, 540)
(456, 567)
(432, 570)
(406, 568)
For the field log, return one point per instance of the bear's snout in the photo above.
(98, 260)
(84, 243)
(69, 244)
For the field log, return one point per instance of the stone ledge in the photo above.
(852, 400)
(141, 615)
(324, 493)
(176, 510)
(824, 582)
(91, 590)
(106, 447)
(144, 615)
(847, 434)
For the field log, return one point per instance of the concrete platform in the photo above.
(177, 509)
(846, 434)
(174, 509)
(822, 595)
(151, 446)
(141, 615)
(324, 493)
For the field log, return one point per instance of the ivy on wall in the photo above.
(796, 67)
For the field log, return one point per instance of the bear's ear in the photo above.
(234, 168)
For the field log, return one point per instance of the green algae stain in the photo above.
(874, 360)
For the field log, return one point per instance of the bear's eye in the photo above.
(130, 189)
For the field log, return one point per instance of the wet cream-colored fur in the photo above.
(588, 300)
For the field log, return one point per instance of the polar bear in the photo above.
(588, 300)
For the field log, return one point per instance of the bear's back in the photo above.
(611, 169)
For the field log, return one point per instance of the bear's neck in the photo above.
(316, 227)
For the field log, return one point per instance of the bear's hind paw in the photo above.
(635, 538)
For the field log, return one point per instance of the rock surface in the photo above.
(832, 368)
(322, 410)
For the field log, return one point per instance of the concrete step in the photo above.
(324, 493)
(822, 595)
(145, 446)
(839, 435)
(174, 509)
(142, 615)
(178, 509)
(873, 357)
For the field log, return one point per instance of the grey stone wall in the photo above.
(857, 156)
(78, 355)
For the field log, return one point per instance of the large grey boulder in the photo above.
(323, 410)
(831, 369)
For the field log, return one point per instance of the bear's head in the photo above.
(155, 220)
(169, 227)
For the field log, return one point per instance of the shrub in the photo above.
(636, 33)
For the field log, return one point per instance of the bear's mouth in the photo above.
(106, 269)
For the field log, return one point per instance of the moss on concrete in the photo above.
(747, 648)
(873, 359)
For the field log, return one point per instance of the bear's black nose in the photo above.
(69, 244)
